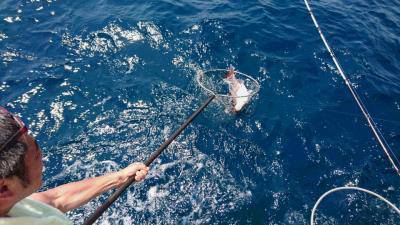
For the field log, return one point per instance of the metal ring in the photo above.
(253, 92)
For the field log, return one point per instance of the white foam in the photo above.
(105, 130)
(177, 60)
(56, 112)
(3, 36)
(68, 67)
(24, 99)
(131, 35)
(9, 56)
(71, 68)
(153, 33)
(38, 123)
(103, 101)
(8, 19)
(132, 61)
(65, 83)
(154, 193)
(4, 86)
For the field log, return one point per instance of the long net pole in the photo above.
(99, 211)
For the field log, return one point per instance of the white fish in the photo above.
(238, 91)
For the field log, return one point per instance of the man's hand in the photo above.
(138, 170)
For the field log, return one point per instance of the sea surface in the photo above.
(102, 83)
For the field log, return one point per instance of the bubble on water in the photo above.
(68, 93)
(37, 124)
(132, 61)
(68, 67)
(8, 19)
(131, 35)
(177, 60)
(71, 68)
(195, 27)
(154, 193)
(24, 99)
(140, 104)
(397, 104)
(111, 38)
(9, 56)
(102, 101)
(12, 54)
(192, 29)
(276, 168)
(339, 172)
(98, 120)
(56, 112)
(4, 86)
(104, 130)
(263, 71)
(3, 36)
(153, 33)
(295, 217)
(317, 147)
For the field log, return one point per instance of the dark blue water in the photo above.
(103, 83)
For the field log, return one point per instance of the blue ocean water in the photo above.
(103, 83)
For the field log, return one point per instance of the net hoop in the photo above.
(201, 73)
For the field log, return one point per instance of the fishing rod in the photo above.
(314, 209)
(100, 210)
(375, 130)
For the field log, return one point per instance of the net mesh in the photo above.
(214, 82)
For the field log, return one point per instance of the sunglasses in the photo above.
(13, 139)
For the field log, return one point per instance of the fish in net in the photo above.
(233, 89)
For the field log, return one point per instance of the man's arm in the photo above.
(73, 195)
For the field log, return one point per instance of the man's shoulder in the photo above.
(29, 211)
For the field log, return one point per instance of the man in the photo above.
(21, 176)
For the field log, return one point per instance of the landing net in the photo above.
(214, 82)
(233, 89)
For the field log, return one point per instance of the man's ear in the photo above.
(5, 192)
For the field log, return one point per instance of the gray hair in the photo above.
(12, 159)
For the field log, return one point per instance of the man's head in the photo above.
(20, 162)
